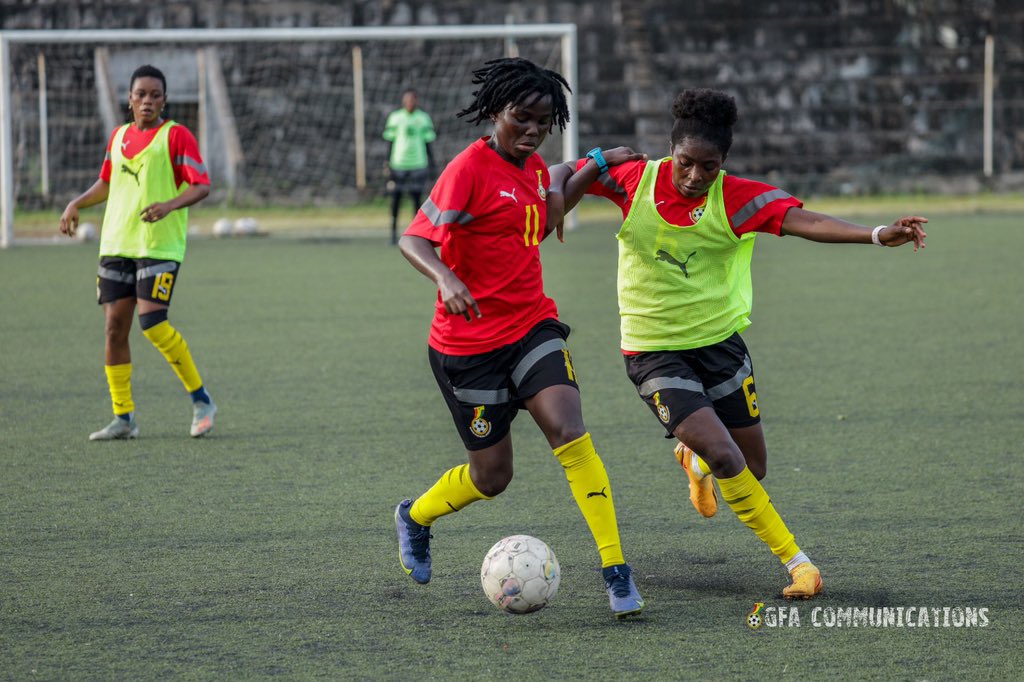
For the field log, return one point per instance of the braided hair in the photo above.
(706, 114)
(508, 82)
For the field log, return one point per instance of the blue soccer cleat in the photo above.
(622, 593)
(413, 544)
(119, 429)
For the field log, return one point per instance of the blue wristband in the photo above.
(598, 158)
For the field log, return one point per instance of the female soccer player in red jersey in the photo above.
(151, 174)
(496, 345)
(685, 295)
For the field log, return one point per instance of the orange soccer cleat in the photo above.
(806, 582)
(702, 486)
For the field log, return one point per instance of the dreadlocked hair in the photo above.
(509, 82)
(706, 114)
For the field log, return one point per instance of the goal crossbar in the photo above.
(566, 32)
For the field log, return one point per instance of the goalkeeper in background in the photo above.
(151, 174)
(409, 132)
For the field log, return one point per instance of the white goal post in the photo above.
(290, 116)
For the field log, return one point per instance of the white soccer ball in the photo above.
(222, 228)
(86, 232)
(520, 574)
(246, 226)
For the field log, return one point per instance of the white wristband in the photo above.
(874, 235)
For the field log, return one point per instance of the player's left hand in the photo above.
(154, 212)
(903, 230)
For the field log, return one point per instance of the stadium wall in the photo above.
(835, 97)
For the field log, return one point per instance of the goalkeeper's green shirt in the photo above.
(409, 133)
(681, 287)
(135, 183)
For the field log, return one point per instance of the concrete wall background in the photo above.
(839, 96)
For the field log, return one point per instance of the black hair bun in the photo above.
(712, 107)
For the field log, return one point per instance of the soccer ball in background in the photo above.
(222, 228)
(245, 227)
(520, 574)
(86, 232)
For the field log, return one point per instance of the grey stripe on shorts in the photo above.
(477, 397)
(730, 385)
(652, 386)
(534, 356)
(116, 275)
(158, 269)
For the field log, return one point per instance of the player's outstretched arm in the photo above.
(454, 293)
(92, 196)
(818, 227)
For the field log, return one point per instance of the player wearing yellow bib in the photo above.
(685, 295)
(143, 243)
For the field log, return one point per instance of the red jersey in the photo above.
(751, 206)
(184, 150)
(488, 217)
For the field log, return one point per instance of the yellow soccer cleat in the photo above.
(806, 582)
(702, 488)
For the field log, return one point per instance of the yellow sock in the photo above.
(745, 496)
(453, 491)
(174, 349)
(588, 481)
(119, 380)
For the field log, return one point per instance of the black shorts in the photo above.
(677, 383)
(410, 180)
(485, 391)
(146, 279)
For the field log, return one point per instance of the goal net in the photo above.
(288, 117)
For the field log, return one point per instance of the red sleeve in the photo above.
(755, 206)
(447, 206)
(618, 184)
(185, 159)
(105, 168)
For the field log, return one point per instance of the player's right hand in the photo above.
(457, 299)
(69, 220)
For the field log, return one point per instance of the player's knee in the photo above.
(117, 329)
(491, 481)
(493, 484)
(724, 458)
(564, 434)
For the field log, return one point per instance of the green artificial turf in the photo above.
(890, 384)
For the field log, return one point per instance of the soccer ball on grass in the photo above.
(520, 574)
